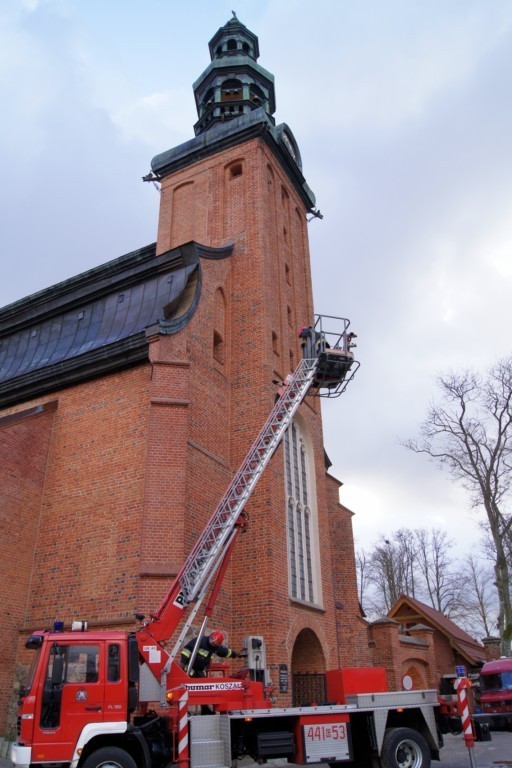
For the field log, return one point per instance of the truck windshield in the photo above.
(498, 682)
(26, 682)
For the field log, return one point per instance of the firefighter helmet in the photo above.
(216, 638)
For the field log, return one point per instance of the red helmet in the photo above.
(216, 638)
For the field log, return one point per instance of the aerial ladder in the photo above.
(325, 370)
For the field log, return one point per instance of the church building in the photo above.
(130, 394)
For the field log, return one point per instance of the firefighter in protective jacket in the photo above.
(208, 646)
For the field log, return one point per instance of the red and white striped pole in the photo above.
(183, 744)
(461, 685)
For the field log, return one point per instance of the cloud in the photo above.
(151, 118)
(69, 176)
(29, 5)
(382, 64)
(385, 502)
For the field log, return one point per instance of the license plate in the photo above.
(326, 742)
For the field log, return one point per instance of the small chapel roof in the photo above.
(409, 609)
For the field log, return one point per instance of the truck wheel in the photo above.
(404, 748)
(109, 757)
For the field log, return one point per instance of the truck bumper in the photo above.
(494, 719)
(21, 756)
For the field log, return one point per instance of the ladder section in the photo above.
(212, 543)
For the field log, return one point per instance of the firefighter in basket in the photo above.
(209, 645)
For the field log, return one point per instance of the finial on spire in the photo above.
(234, 15)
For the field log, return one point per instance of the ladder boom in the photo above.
(323, 366)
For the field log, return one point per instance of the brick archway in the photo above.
(310, 624)
(307, 653)
(308, 669)
(417, 670)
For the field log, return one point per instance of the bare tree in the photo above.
(418, 563)
(409, 562)
(470, 434)
(391, 571)
(481, 602)
(362, 576)
(441, 584)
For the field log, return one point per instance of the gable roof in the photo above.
(466, 645)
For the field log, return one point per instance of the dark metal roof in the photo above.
(95, 323)
(234, 29)
(104, 321)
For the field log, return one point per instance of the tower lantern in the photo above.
(234, 84)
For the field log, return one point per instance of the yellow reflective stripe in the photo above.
(229, 653)
(202, 652)
(186, 653)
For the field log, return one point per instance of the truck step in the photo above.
(207, 748)
(207, 753)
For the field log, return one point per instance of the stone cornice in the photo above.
(223, 136)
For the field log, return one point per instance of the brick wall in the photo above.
(492, 647)
(24, 443)
(353, 640)
(403, 655)
(92, 505)
(424, 653)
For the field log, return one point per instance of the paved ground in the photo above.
(496, 753)
(488, 754)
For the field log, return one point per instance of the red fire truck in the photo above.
(496, 693)
(120, 700)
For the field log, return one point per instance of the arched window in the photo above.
(231, 90)
(219, 330)
(301, 517)
(208, 100)
(256, 95)
(275, 343)
(235, 170)
(219, 351)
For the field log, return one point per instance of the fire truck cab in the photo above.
(496, 693)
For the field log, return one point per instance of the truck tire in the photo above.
(404, 748)
(109, 757)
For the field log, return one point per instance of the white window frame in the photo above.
(301, 516)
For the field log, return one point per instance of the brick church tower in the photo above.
(130, 394)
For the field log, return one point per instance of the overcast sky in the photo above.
(403, 113)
